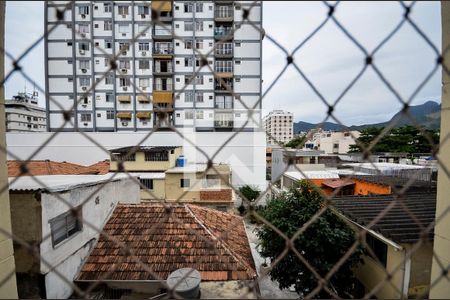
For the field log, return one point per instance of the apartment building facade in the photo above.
(193, 64)
(22, 114)
(279, 127)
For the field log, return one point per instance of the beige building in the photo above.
(391, 239)
(332, 142)
(8, 288)
(162, 178)
(278, 125)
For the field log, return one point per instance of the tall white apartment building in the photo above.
(22, 114)
(153, 81)
(278, 125)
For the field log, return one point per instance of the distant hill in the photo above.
(427, 115)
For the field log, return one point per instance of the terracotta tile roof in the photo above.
(102, 167)
(396, 224)
(166, 240)
(48, 167)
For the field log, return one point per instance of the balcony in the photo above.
(223, 86)
(223, 33)
(223, 124)
(224, 14)
(163, 68)
(163, 51)
(224, 50)
(162, 34)
(144, 115)
(224, 70)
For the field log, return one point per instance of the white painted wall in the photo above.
(246, 152)
(69, 255)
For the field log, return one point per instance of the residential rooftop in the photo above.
(296, 175)
(169, 237)
(58, 183)
(397, 224)
(48, 167)
(147, 149)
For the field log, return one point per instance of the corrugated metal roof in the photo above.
(58, 183)
(383, 166)
(296, 175)
(143, 149)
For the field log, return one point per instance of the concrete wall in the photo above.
(441, 232)
(68, 256)
(7, 267)
(158, 192)
(420, 270)
(174, 191)
(245, 153)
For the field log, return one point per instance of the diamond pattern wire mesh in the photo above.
(369, 62)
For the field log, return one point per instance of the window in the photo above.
(124, 64)
(188, 26)
(188, 61)
(144, 64)
(109, 97)
(198, 7)
(85, 117)
(188, 7)
(70, 61)
(83, 10)
(83, 28)
(188, 44)
(124, 28)
(378, 247)
(143, 10)
(198, 79)
(95, 25)
(198, 26)
(144, 82)
(107, 61)
(148, 183)
(144, 46)
(185, 183)
(65, 225)
(212, 181)
(157, 156)
(108, 44)
(199, 44)
(124, 81)
(199, 97)
(83, 46)
(109, 115)
(107, 7)
(109, 78)
(189, 96)
(107, 25)
(123, 157)
(199, 115)
(189, 114)
(124, 46)
(123, 10)
(85, 81)
(84, 64)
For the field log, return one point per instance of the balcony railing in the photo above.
(223, 69)
(222, 31)
(162, 32)
(224, 124)
(223, 87)
(224, 49)
(224, 12)
(163, 87)
(163, 50)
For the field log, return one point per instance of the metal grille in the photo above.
(222, 47)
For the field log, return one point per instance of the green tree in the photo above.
(295, 142)
(251, 193)
(323, 244)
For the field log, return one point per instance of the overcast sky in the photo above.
(330, 60)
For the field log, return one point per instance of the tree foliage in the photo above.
(323, 244)
(296, 142)
(251, 193)
(407, 139)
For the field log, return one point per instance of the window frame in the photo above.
(78, 218)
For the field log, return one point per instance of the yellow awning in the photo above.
(124, 98)
(124, 115)
(143, 98)
(162, 6)
(144, 115)
(162, 97)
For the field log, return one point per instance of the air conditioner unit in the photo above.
(144, 122)
(82, 52)
(124, 123)
(84, 88)
(85, 124)
(125, 88)
(144, 88)
(83, 105)
(144, 53)
(83, 70)
(143, 16)
(83, 35)
(124, 71)
(83, 16)
(124, 16)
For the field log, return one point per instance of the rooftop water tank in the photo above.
(186, 282)
(181, 161)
